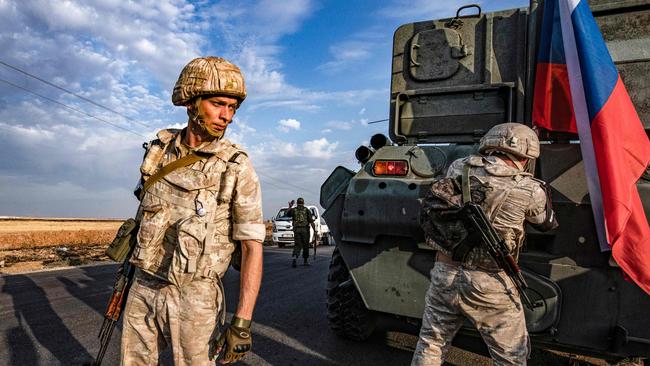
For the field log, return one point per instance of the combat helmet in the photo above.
(207, 76)
(511, 138)
(301, 201)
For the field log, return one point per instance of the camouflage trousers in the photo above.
(301, 240)
(159, 314)
(488, 300)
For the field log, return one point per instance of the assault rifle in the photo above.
(474, 216)
(115, 306)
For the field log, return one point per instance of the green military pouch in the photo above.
(124, 241)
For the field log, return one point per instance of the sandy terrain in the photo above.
(29, 244)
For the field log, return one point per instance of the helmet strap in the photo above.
(515, 160)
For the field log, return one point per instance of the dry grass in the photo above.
(39, 233)
(28, 244)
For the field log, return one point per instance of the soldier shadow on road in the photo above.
(290, 321)
(95, 291)
(37, 317)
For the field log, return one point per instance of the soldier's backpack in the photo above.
(300, 216)
(442, 206)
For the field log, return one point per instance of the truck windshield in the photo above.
(282, 214)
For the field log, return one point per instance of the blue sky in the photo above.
(316, 73)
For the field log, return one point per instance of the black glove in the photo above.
(235, 341)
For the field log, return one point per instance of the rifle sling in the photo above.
(179, 163)
(467, 197)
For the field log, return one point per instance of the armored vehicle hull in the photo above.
(453, 79)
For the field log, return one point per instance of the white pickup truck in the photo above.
(283, 229)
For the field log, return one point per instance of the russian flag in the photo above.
(578, 89)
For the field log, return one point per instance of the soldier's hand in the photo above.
(291, 203)
(236, 341)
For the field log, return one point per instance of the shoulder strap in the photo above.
(467, 197)
(234, 156)
(179, 163)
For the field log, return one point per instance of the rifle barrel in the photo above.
(104, 345)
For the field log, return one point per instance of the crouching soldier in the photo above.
(473, 286)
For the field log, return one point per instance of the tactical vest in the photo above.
(185, 217)
(300, 216)
(503, 193)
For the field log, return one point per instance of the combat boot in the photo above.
(293, 264)
(306, 263)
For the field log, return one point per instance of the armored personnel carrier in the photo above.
(452, 80)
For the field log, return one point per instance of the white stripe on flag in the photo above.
(572, 5)
(582, 118)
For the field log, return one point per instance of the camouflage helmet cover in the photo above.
(513, 138)
(208, 76)
(301, 201)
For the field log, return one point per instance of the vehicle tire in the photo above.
(346, 313)
(280, 245)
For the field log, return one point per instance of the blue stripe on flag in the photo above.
(599, 74)
(551, 47)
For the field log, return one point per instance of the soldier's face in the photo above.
(218, 112)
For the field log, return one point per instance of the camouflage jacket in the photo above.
(511, 198)
(191, 218)
(301, 216)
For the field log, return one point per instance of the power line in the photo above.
(274, 185)
(71, 92)
(287, 184)
(69, 107)
(377, 121)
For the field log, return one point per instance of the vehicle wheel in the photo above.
(280, 245)
(346, 313)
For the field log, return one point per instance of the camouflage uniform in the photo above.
(301, 217)
(476, 289)
(190, 222)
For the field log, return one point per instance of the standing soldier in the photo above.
(200, 201)
(302, 219)
(476, 288)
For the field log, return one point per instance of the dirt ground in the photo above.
(31, 244)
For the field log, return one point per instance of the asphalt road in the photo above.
(52, 318)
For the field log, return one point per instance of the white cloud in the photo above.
(306, 100)
(327, 130)
(242, 126)
(362, 111)
(320, 148)
(346, 53)
(339, 125)
(285, 125)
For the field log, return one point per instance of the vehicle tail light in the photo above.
(390, 167)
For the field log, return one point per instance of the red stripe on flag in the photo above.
(622, 153)
(552, 104)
